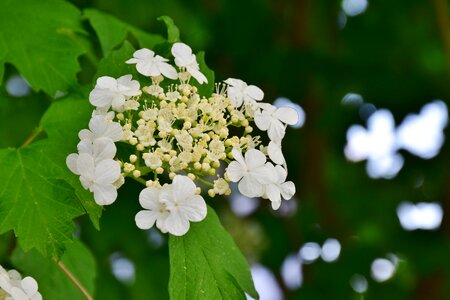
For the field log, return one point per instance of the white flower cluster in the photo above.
(13, 287)
(174, 133)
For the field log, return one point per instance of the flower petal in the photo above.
(250, 187)
(254, 159)
(197, 75)
(177, 224)
(194, 208)
(287, 190)
(103, 148)
(182, 188)
(144, 53)
(29, 285)
(149, 198)
(71, 162)
(275, 153)
(104, 194)
(182, 54)
(18, 294)
(85, 165)
(276, 130)
(262, 120)
(101, 97)
(254, 92)
(168, 70)
(106, 82)
(107, 171)
(286, 115)
(235, 171)
(145, 219)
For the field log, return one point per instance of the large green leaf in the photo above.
(173, 33)
(206, 264)
(53, 282)
(40, 39)
(112, 31)
(37, 206)
(205, 89)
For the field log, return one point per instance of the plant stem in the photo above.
(204, 181)
(74, 280)
(31, 138)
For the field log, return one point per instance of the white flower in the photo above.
(221, 186)
(98, 178)
(172, 207)
(279, 187)
(185, 59)
(111, 92)
(239, 92)
(13, 287)
(272, 119)
(251, 172)
(28, 290)
(149, 64)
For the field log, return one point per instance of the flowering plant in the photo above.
(175, 133)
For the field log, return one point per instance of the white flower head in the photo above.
(149, 64)
(13, 287)
(251, 172)
(274, 119)
(279, 187)
(172, 207)
(111, 92)
(184, 58)
(100, 126)
(98, 178)
(239, 92)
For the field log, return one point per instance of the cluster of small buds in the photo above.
(13, 287)
(178, 134)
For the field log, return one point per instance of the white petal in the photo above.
(85, 146)
(18, 294)
(101, 97)
(250, 187)
(147, 68)
(85, 134)
(286, 115)
(5, 282)
(29, 285)
(264, 174)
(117, 102)
(276, 204)
(149, 198)
(197, 75)
(254, 159)
(237, 155)
(71, 162)
(254, 92)
(194, 208)
(103, 148)
(262, 120)
(281, 174)
(276, 131)
(235, 171)
(85, 165)
(106, 82)
(105, 194)
(182, 187)
(275, 153)
(176, 224)
(182, 54)
(168, 70)
(144, 53)
(287, 190)
(236, 83)
(145, 219)
(272, 192)
(107, 171)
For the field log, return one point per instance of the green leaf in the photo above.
(114, 63)
(62, 122)
(206, 264)
(205, 89)
(173, 33)
(53, 282)
(37, 206)
(112, 31)
(40, 39)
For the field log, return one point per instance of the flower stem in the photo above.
(74, 279)
(204, 181)
(33, 136)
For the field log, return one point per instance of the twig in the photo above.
(74, 279)
(31, 138)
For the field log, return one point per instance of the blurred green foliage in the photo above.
(393, 55)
